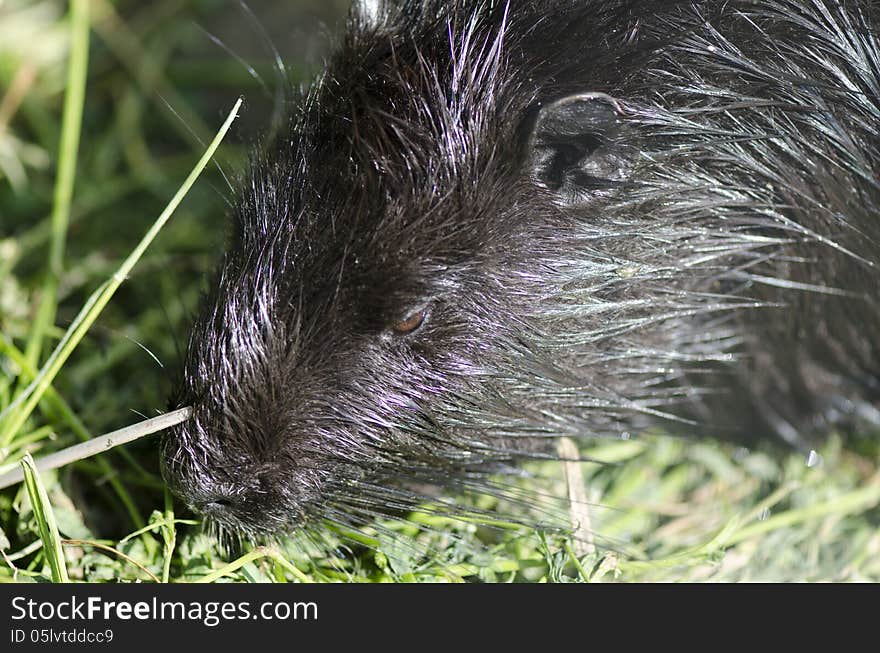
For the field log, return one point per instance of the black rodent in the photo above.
(493, 224)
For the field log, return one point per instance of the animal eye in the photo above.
(410, 323)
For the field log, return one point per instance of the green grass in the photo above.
(72, 219)
(44, 517)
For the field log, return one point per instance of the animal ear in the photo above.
(576, 147)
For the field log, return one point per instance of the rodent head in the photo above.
(466, 247)
(368, 330)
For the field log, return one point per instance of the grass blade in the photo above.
(101, 444)
(45, 520)
(71, 125)
(19, 410)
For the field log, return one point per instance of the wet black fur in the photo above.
(691, 239)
